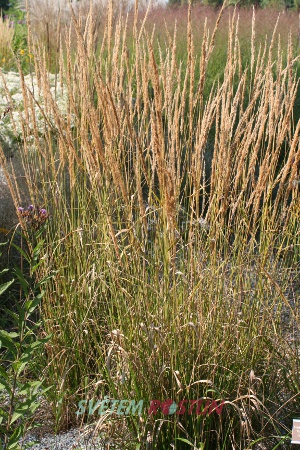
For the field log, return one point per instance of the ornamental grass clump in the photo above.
(174, 231)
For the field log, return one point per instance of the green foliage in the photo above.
(15, 10)
(16, 52)
(178, 2)
(20, 394)
(4, 5)
(20, 38)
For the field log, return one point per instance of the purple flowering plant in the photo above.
(34, 216)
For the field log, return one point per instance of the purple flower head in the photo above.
(30, 208)
(20, 209)
(5, 17)
(43, 212)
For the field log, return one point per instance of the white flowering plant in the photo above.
(12, 109)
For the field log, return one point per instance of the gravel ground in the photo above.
(94, 436)
(75, 439)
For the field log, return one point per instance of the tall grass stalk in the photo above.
(6, 40)
(174, 230)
